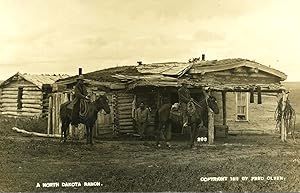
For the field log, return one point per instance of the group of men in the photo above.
(142, 115)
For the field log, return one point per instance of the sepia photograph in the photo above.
(149, 96)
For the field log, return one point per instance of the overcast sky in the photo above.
(58, 36)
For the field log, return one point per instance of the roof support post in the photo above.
(224, 107)
(211, 126)
(283, 128)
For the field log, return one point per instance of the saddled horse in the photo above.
(92, 108)
(197, 112)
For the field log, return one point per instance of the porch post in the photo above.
(211, 127)
(224, 107)
(283, 128)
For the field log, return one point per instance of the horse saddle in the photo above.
(71, 104)
(83, 107)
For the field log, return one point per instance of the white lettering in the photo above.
(213, 179)
(277, 178)
(92, 184)
(70, 184)
(50, 185)
(257, 178)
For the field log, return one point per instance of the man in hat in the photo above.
(184, 97)
(142, 119)
(80, 94)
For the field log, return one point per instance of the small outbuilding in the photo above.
(26, 94)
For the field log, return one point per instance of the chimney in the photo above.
(80, 71)
(139, 62)
(203, 57)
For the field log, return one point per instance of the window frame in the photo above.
(246, 105)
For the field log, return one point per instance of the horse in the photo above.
(198, 117)
(89, 120)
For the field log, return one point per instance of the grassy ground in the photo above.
(141, 166)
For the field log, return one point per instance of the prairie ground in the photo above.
(127, 164)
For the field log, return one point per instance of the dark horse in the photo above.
(197, 118)
(89, 120)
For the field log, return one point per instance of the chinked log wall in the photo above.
(123, 112)
(32, 99)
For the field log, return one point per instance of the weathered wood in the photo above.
(49, 127)
(19, 113)
(32, 101)
(34, 106)
(124, 116)
(224, 108)
(9, 105)
(35, 93)
(33, 133)
(126, 130)
(10, 92)
(128, 119)
(259, 99)
(31, 88)
(125, 123)
(211, 129)
(8, 96)
(57, 112)
(126, 108)
(125, 105)
(53, 114)
(10, 89)
(29, 96)
(31, 110)
(9, 108)
(125, 101)
(6, 100)
(283, 128)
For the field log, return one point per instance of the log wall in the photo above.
(31, 99)
(123, 113)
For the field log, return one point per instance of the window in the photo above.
(20, 95)
(241, 106)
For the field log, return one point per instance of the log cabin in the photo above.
(247, 92)
(26, 94)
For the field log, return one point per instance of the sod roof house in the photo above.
(247, 91)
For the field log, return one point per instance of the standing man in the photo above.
(80, 94)
(142, 119)
(184, 96)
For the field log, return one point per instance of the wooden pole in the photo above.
(283, 128)
(211, 129)
(224, 107)
(53, 113)
(49, 115)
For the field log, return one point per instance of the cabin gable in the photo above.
(20, 97)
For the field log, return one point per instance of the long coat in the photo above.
(80, 93)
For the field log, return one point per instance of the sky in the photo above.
(59, 36)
